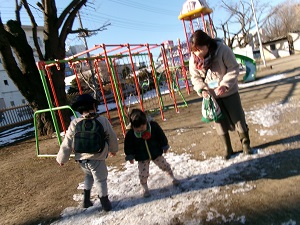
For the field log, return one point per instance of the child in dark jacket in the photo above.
(145, 141)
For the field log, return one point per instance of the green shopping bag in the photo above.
(210, 110)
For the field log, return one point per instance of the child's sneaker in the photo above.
(175, 182)
(146, 194)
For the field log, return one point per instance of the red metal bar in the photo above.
(96, 65)
(171, 89)
(204, 24)
(111, 50)
(191, 27)
(135, 78)
(155, 83)
(153, 46)
(146, 49)
(174, 66)
(55, 97)
(119, 85)
(186, 36)
(84, 52)
(184, 72)
(211, 26)
(40, 65)
(137, 47)
(76, 76)
(166, 66)
(114, 91)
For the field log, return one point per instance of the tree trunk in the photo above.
(55, 49)
(25, 74)
(21, 66)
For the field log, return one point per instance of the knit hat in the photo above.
(84, 99)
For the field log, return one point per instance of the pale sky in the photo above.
(133, 21)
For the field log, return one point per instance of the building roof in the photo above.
(277, 39)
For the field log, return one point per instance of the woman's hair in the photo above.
(137, 118)
(200, 38)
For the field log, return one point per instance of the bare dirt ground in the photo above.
(35, 190)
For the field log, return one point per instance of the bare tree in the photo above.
(18, 59)
(285, 19)
(236, 28)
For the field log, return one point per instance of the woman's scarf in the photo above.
(202, 63)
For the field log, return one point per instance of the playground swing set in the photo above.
(135, 54)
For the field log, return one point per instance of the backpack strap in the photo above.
(95, 116)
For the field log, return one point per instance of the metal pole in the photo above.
(90, 63)
(258, 34)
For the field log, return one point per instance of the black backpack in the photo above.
(89, 136)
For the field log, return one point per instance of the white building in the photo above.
(276, 48)
(9, 94)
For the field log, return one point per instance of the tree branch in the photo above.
(68, 9)
(17, 11)
(69, 21)
(8, 60)
(87, 32)
(34, 30)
